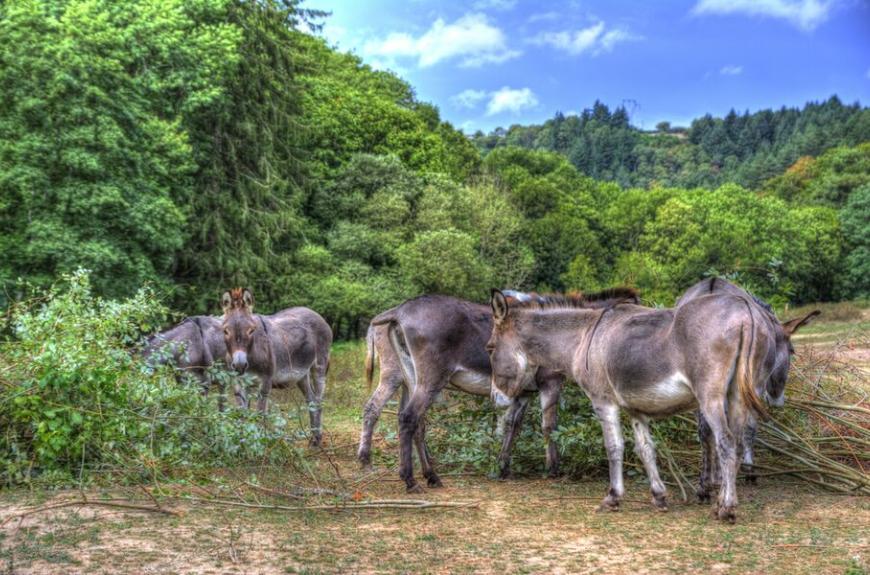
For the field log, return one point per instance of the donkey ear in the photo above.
(793, 325)
(499, 306)
(248, 299)
(226, 301)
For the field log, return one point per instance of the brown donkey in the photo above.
(708, 353)
(291, 346)
(777, 363)
(441, 341)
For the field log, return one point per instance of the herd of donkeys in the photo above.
(719, 350)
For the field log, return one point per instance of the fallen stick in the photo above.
(114, 504)
(376, 504)
(830, 405)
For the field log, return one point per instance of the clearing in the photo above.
(526, 525)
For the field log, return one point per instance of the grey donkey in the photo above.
(193, 345)
(391, 379)
(291, 346)
(778, 361)
(709, 353)
(440, 341)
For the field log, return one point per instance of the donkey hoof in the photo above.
(553, 473)
(727, 514)
(703, 496)
(752, 479)
(434, 481)
(660, 503)
(608, 505)
(415, 488)
(504, 474)
(315, 441)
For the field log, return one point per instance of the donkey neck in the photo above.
(551, 337)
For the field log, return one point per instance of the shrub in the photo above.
(75, 399)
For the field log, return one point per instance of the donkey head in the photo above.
(511, 369)
(239, 325)
(784, 351)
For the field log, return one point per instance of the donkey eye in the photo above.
(226, 332)
(250, 330)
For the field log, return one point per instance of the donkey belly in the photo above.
(665, 396)
(285, 376)
(472, 382)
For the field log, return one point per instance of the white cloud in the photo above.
(805, 14)
(494, 4)
(731, 70)
(594, 39)
(543, 17)
(471, 39)
(510, 100)
(468, 98)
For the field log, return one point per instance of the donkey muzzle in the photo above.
(240, 361)
(776, 401)
(500, 400)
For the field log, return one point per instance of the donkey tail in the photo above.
(745, 373)
(386, 317)
(370, 355)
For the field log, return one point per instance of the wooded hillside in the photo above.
(200, 145)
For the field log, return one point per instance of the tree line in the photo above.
(195, 146)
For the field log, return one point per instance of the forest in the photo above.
(196, 146)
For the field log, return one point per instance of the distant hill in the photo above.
(746, 149)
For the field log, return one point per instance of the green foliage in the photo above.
(855, 220)
(74, 400)
(828, 180)
(746, 149)
(92, 147)
(196, 146)
(444, 261)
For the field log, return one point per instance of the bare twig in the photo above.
(345, 506)
(95, 502)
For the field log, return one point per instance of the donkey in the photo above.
(193, 345)
(709, 352)
(777, 365)
(391, 378)
(441, 341)
(291, 346)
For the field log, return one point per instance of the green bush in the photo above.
(464, 435)
(75, 399)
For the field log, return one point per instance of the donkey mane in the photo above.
(574, 300)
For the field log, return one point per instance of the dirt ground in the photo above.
(526, 525)
(520, 526)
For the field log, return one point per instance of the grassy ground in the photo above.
(528, 525)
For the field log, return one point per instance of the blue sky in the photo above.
(489, 63)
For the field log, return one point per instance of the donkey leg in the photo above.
(372, 412)
(608, 416)
(726, 450)
(241, 395)
(748, 456)
(313, 406)
(645, 448)
(265, 389)
(513, 423)
(427, 465)
(318, 375)
(409, 420)
(708, 456)
(549, 413)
